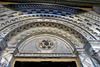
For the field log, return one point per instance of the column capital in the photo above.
(5, 59)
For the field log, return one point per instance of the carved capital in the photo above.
(96, 55)
(5, 59)
(85, 60)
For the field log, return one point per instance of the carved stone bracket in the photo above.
(86, 60)
(6, 59)
(93, 49)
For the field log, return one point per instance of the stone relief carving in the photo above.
(5, 59)
(96, 55)
(78, 28)
(86, 61)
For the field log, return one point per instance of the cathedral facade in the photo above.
(49, 32)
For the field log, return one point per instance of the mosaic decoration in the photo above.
(46, 44)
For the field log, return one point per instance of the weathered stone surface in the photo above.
(68, 33)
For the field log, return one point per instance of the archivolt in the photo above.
(45, 27)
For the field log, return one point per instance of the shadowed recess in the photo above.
(45, 64)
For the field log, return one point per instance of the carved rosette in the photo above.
(46, 44)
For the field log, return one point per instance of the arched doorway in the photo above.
(44, 31)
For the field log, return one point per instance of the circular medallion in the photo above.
(46, 44)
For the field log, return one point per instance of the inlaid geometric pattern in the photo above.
(46, 44)
(48, 30)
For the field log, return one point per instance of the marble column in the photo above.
(3, 43)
